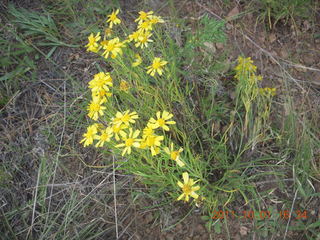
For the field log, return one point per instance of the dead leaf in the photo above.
(272, 37)
(232, 13)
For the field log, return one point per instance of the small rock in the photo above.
(179, 228)
(205, 236)
(232, 13)
(284, 53)
(219, 45)
(232, 95)
(228, 26)
(210, 46)
(200, 229)
(148, 218)
(237, 237)
(243, 231)
(170, 236)
(308, 59)
(306, 25)
(272, 37)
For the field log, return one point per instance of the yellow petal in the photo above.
(180, 197)
(165, 127)
(196, 188)
(185, 177)
(194, 195)
(180, 163)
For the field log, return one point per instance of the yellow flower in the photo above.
(156, 66)
(143, 16)
(112, 46)
(130, 140)
(117, 129)
(125, 118)
(105, 136)
(148, 130)
(245, 65)
(267, 91)
(124, 86)
(162, 121)
(153, 141)
(137, 60)
(174, 155)
(134, 36)
(143, 39)
(187, 188)
(102, 94)
(93, 45)
(95, 108)
(100, 81)
(90, 135)
(145, 26)
(113, 18)
(156, 19)
(108, 32)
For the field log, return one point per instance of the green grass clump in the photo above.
(288, 10)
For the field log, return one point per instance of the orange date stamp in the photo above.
(260, 215)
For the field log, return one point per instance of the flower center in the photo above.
(102, 93)
(148, 131)
(129, 142)
(92, 41)
(111, 46)
(144, 25)
(95, 107)
(161, 122)
(156, 65)
(143, 39)
(104, 136)
(143, 16)
(90, 134)
(125, 118)
(186, 189)
(174, 155)
(151, 140)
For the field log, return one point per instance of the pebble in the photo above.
(170, 236)
(219, 45)
(243, 231)
(179, 228)
(200, 228)
(149, 218)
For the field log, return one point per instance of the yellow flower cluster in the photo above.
(245, 65)
(267, 91)
(119, 131)
(141, 38)
(99, 86)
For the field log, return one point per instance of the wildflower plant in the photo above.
(128, 116)
(255, 100)
(137, 106)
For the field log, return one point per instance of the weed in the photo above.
(272, 10)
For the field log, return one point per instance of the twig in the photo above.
(115, 197)
(291, 210)
(34, 203)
